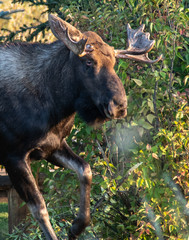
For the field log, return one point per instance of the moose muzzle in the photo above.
(116, 110)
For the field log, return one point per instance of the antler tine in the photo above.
(139, 44)
(130, 30)
(138, 41)
(64, 31)
(141, 58)
(141, 28)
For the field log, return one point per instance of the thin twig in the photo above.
(39, 28)
(172, 63)
(128, 173)
(155, 99)
(104, 157)
(5, 14)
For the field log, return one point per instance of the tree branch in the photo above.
(5, 14)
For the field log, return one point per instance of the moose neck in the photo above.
(60, 78)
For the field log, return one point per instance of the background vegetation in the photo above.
(3, 220)
(140, 164)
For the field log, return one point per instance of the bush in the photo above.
(140, 164)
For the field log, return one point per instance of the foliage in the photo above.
(140, 164)
(3, 220)
(23, 26)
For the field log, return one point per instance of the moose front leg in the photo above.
(22, 179)
(67, 158)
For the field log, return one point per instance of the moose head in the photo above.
(102, 95)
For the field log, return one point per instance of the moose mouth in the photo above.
(96, 114)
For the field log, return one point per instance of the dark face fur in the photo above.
(102, 95)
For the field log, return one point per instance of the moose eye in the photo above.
(89, 62)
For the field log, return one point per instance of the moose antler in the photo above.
(71, 37)
(139, 45)
(76, 46)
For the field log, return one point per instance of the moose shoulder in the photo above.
(42, 86)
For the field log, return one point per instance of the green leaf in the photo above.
(140, 131)
(137, 81)
(121, 227)
(186, 79)
(150, 117)
(151, 26)
(99, 137)
(107, 208)
(151, 105)
(145, 124)
(118, 177)
(113, 201)
(163, 74)
(180, 56)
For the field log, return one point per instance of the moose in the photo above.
(42, 87)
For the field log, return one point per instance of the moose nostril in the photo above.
(123, 112)
(123, 106)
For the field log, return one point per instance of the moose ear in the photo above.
(68, 34)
